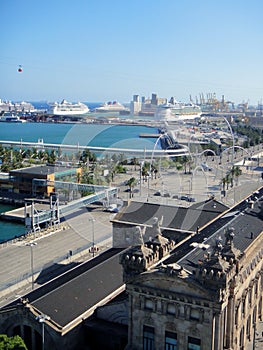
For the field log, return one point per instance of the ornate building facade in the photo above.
(209, 298)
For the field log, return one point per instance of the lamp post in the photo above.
(233, 138)
(93, 243)
(42, 319)
(31, 245)
(150, 168)
(141, 165)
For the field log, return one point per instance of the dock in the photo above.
(152, 136)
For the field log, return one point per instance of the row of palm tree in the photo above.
(13, 158)
(231, 175)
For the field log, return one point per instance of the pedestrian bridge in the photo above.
(137, 152)
(52, 215)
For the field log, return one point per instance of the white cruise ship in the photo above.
(68, 108)
(111, 107)
(16, 107)
(176, 111)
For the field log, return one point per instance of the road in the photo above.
(52, 249)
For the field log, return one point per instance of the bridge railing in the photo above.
(106, 193)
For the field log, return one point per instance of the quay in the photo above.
(150, 136)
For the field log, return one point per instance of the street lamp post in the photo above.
(31, 245)
(93, 243)
(42, 319)
(141, 165)
(150, 169)
(233, 138)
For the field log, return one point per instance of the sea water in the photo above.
(116, 136)
(9, 230)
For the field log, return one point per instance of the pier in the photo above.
(150, 136)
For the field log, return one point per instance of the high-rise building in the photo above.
(135, 105)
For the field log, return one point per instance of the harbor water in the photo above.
(119, 136)
(9, 230)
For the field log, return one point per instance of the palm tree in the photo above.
(184, 162)
(145, 170)
(134, 161)
(228, 180)
(131, 183)
(237, 172)
(223, 182)
(231, 174)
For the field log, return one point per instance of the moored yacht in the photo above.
(9, 117)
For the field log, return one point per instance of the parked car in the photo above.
(206, 167)
(166, 194)
(158, 193)
(112, 208)
(184, 198)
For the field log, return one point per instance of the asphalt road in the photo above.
(52, 249)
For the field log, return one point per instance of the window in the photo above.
(194, 315)
(148, 338)
(170, 341)
(194, 343)
(148, 304)
(171, 309)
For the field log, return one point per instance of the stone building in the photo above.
(206, 294)
(61, 313)
(176, 223)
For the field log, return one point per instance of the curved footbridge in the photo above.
(139, 152)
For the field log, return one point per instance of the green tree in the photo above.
(237, 172)
(145, 171)
(12, 343)
(134, 161)
(131, 183)
(185, 162)
(223, 183)
(52, 157)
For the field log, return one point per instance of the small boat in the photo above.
(11, 118)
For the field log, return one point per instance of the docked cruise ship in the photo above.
(68, 108)
(111, 107)
(176, 111)
(17, 107)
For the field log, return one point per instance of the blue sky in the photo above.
(101, 50)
